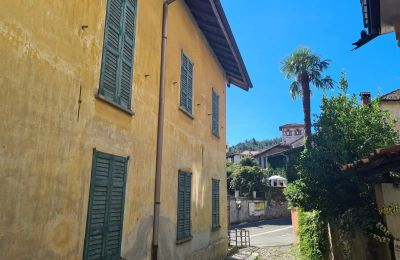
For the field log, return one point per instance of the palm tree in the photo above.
(305, 68)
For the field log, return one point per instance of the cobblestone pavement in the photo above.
(265, 253)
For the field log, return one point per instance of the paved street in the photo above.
(270, 240)
(275, 232)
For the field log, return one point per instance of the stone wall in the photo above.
(274, 208)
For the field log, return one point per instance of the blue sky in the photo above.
(269, 30)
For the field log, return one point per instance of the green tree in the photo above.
(305, 68)
(254, 145)
(344, 132)
(247, 176)
(248, 162)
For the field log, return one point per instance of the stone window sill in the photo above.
(184, 240)
(216, 228)
(183, 110)
(117, 106)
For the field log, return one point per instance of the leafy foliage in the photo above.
(304, 65)
(254, 145)
(313, 237)
(344, 132)
(247, 176)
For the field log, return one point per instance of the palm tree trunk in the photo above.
(305, 84)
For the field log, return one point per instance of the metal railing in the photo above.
(239, 238)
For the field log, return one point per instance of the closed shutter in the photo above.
(117, 65)
(184, 84)
(215, 113)
(106, 204)
(128, 43)
(181, 206)
(190, 88)
(188, 186)
(109, 73)
(215, 203)
(186, 98)
(184, 205)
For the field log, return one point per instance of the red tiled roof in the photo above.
(376, 167)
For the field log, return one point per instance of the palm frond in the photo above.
(295, 89)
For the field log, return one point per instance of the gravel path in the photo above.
(265, 253)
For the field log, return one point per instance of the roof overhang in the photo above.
(212, 21)
(377, 167)
(379, 17)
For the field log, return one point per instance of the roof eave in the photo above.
(210, 13)
(372, 22)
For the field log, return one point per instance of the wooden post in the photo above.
(236, 237)
(397, 31)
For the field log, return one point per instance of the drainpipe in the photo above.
(160, 133)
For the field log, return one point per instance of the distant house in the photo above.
(262, 157)
(292, 133)
(292, 137)
(235, 157)
(379, 17)
(391, 103)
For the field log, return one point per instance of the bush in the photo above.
(313, 236)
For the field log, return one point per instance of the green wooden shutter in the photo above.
(184, 206)
(181, 206)
(116, 208)
(215, 113)
(106, 205)
(215, 203)
(109, 71)
(186, 98)
(188, 187)
(127, 54)
(119, 42)
(97, 211)
(190, 88)
(184, 83)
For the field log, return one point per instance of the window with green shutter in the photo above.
(215, 113)
(215, 204)
(106, 207)
(186, 98)
(183, 229)
(118, 52)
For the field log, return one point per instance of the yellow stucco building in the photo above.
(80, 94)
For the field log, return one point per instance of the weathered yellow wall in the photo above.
(46, 152)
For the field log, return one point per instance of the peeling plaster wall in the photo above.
(46, 152)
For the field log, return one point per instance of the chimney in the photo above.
(365, 98)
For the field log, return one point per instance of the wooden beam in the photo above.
(397, 31)
(217, 15)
